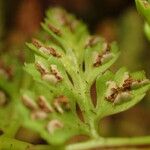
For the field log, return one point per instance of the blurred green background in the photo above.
(114, 19)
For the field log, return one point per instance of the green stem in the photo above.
(93, 130)
(110, 142)
(13, 144)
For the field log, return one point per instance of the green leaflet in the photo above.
(143, 7)
(105, 107)
(10, 81)
(71, 123)
(9, 129)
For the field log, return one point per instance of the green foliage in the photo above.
(136, 94)
(55, 101)
(10, 77)
(66, 65)
(143, 7)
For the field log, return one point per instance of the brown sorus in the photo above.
(36, 43)
(54, 29)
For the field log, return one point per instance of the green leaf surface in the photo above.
(71, 124)
(106, 107)
(143, 7)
